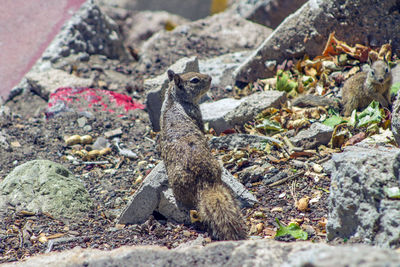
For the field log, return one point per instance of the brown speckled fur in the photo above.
(364, 87)
(193, 173)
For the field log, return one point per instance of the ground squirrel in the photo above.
(193, 173)
(364, 87)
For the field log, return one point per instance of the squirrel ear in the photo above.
(178, 80)
(171, 75)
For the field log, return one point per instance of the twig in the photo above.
(286, 179)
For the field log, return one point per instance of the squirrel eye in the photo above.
(195, 80)
(387, 69)
(372, 72)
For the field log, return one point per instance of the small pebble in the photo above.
(82, 122)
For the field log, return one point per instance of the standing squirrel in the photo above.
(193, 173)
(364, 87)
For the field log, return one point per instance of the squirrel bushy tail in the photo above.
(220, 213)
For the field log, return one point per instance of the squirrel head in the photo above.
(380, 72)
(190, 86)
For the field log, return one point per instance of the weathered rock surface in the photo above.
(239, 253)
(306, 32)
(157, 86)
(359, 209)
(317, 134)
(396, 106)
(226, 113)
(221, 68)
(140, 26)
(266, 12)
(155, 195)
(45, 186)
(235, 141)
(47, 82)
(204, 38)
(194, 9)
(90, 32)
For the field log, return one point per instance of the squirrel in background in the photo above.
(193, 173)
(358, 91)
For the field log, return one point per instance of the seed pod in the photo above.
(105, 151)
(73, 140)
(93, 154)
(86, 139)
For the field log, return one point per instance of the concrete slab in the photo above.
(27, 28)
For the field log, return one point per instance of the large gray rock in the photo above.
(45, 186)
(221, 68)
(307, 30)
(317, 134)
(227, 113)
(140, 26)
(213, 36)
(89, 32)
(239, 253)
(359, 209)
(156, 87)
(266, 12)
(396, 106)
(194, 9)
(155, 195)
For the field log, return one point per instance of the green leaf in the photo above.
(292, 229)
(370, 115)
(283, 83)
(395, 88)
(392, 192)
(333, 121)
(268, 125)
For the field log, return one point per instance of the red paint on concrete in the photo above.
(92, 98)
(26, 29)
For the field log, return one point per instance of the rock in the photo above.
(317, 134)
(235, 141)
(359, 210)
(222, 67)
(47, 82)
(226, 113)
(100, 143)
(82, 122)
(396, 118)
(140, 26)
(146, 199)
(88, 31)
(45, 186)
(156, 87)
(252, 174)
(230, 253)
(193, 10)
(201, 38)
(269, 13)
(396, 73)
(214, 113)
(155, 195)
(306, 31)
(113, 133)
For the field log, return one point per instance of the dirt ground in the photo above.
(113, 180)
(279, 185)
